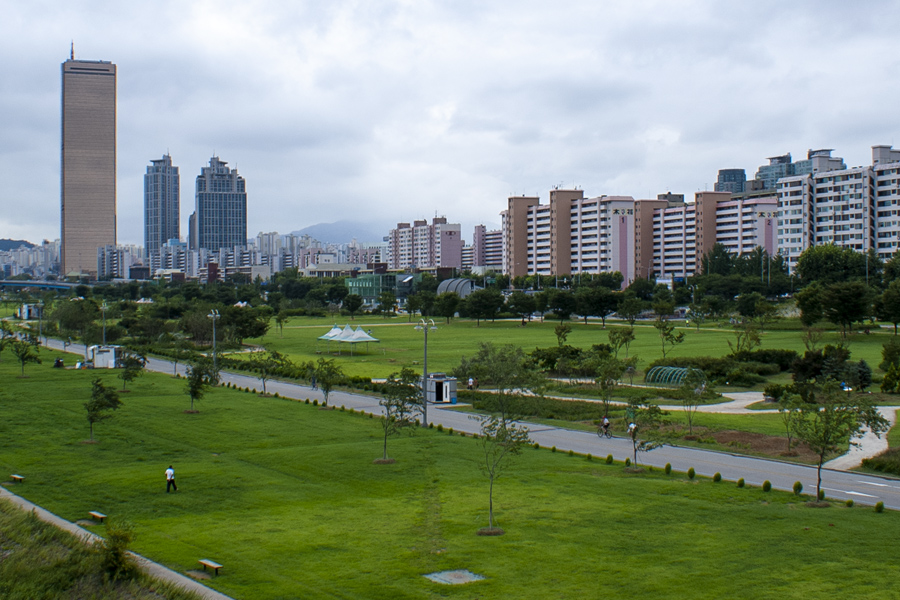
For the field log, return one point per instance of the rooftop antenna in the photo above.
(72, 51)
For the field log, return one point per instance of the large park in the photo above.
(301, 500)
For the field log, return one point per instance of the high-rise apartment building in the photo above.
(731, 181)
(782, 166)
(425, 246)
(220, 214)
(853, 208)
(162, 201)
(88, 163)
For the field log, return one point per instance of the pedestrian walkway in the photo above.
(153, 569)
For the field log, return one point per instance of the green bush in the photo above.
(821, 495)
(589, 457)
(691, 473)
(767, 486)
(307, 400)
(668, 468)
(886, 462)
(315, 402)
(798, 487)
(849, 503)
(609, 459)
(879, 507)
(440, 427)
(553, 449)
(117, 562)
(627, 462)
(571, 453)
(717, 477)
(740, 482)
(450, 431)
(537, 446)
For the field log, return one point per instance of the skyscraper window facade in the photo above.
(220, 213)
(88, 163)
(162, 200)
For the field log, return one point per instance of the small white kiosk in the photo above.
(105, 357)
(440, 389)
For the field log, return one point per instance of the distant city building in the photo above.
(220, 214)
(425, 246)
(162, 201)
(88, 163)
(853, 208)
(115, 262)
(781, 166)
(487, 249)
(38, 261)
(732, 181)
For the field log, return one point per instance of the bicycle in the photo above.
(601, 432)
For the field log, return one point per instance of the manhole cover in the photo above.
(454, 577)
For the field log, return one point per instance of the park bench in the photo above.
(97, 515)
(17, 478)
(211, 564)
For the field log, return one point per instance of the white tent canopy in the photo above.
(347, 335)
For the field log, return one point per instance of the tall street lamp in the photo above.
(214, 315)
(103, 308)
(424, 325)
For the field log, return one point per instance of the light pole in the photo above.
(41, 321)
(214, 315)
(103, 308)
(424, 325)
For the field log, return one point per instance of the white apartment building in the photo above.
(425, 246)
(853, 208)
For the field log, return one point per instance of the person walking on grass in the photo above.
(170, 479)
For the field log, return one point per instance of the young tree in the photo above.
(846, 303)
(609, 371)
(266, 364)
(620, 337)
(562, 302)
(836, 419)
(103, 400)
(520, 304)
(746, 338)
(201, 375)
(506, 370)
(25, 353)
(562, 332)
(413, 305)
(692, 389)
(630, 307)
(402, 396)
(500, 441)
(280, 319)
(387, 301)
(643, 427)
(888, 304)
(132, 367)
(328, 374)
(667, 336)
(484, 304)
(789, 410)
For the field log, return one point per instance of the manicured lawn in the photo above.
(401, 345)
(287, 498)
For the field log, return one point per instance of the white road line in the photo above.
(875, 484)
(860, 494)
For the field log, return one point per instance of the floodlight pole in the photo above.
(214, 315)
(103, 308)
(423, 326)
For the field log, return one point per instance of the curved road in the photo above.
(840, 485)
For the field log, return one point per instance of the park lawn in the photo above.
(285, 496)
(401, 345)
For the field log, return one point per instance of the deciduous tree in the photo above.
(103, 400)
(328, 375)
(500, 441)
(402, 397)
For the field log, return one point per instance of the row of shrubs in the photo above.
(742, 368)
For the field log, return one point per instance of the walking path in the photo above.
(148, 566)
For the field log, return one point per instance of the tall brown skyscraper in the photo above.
(88, 177)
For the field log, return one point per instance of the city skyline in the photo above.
(403, 111)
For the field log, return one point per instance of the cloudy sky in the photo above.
(387, 111)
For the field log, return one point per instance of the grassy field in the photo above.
(286, 496)
(401, 345)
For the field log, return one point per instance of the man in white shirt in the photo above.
(170, 479)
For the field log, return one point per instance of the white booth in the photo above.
(440, 389)
(105, 357)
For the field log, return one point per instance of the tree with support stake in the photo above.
(500, 441)
(401, 398)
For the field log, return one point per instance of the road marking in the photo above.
(860, 494)
(876, 484)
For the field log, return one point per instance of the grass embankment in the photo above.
(287, 498)
(37, 560)
(401, 345)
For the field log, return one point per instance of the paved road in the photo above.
(866, 489)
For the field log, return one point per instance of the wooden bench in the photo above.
(97, 515)
(17, 478)
(211, 564)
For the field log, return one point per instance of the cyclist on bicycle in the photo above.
(605, 424)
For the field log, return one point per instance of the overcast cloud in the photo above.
(388, 111)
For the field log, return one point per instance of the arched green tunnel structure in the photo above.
(669, 375)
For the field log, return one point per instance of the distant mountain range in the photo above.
(341, 232)
(7, 244)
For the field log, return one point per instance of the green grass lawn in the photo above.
(286, 496)
(401, 345)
